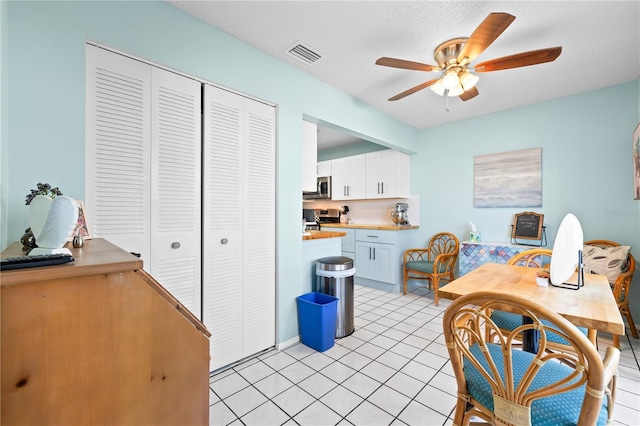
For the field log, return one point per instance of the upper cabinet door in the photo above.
(118, 150)
(357, 177)
(387, 174)
(324, 168)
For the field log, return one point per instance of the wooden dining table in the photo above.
(592, 306)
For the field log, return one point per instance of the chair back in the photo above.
(444, 243)
(509, 386)
(533, 258)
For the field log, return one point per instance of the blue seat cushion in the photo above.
(424, 266)
(509, 321)
(562, 409)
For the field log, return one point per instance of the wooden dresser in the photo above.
(99, 341)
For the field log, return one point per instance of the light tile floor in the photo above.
(393, 370)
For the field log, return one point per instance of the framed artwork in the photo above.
(82, 228)
(508, 179)
(636, 162)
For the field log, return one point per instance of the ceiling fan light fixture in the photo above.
(438, 87)
(450, 79)
(468, 80)
(456, 91)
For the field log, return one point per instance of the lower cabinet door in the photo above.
(375, 261)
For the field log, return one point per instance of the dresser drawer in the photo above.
(375, 236)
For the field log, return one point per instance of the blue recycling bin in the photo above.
(317, 314)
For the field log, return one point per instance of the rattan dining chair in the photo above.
(620, 285)
(501, 384)
(508, 321)
(435, 262)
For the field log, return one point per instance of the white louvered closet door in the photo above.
(118, 135)
(259, 228)
(143, 165)
(238, 225)
(176, 186)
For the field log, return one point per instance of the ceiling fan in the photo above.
(454, 59)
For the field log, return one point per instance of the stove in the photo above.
(314, 218)
(328, 216)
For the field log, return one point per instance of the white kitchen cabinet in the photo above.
(378, 257)
(348, 178)
(387, 174)
(348, 244)
(238, 225)
(374, 261)
(143, 167)
(309, 155)
(324, 168)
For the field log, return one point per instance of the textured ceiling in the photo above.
(600, 47)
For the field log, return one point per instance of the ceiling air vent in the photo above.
(304, 53)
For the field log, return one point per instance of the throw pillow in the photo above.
(605, 261)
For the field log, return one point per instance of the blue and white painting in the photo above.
(508, 179)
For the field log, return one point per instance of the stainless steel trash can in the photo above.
(334, 276)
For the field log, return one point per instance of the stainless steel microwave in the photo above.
(323, 190)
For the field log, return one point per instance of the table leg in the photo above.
(530, 337)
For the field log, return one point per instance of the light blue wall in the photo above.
(585, 138)
(586, 168)
(46, 45)
(4, 169)
(348, 150)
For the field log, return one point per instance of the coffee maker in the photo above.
(399, 214)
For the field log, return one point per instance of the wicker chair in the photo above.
(621, 287)
(504, 385)
(508, 321)
(435, 262)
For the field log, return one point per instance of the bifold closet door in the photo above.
(118, 150)
(176, 180)
(143, 167)
(238, 225)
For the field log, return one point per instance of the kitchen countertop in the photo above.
(316, 235)
(363, 226)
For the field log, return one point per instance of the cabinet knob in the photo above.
(224, 241)
(175, 245)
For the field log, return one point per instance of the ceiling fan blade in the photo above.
(486, 33)
(408, 65)
(469, 94)
(413, 90)
(523, 59)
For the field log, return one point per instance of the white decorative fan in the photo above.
(567, 250)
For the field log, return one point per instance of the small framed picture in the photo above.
(82, 228)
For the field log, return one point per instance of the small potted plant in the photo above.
(542, 277)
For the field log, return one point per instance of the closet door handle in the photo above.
(175, 245)
(224, 241)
